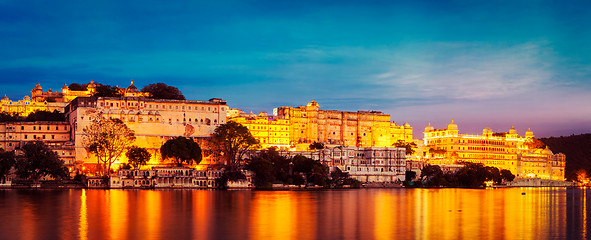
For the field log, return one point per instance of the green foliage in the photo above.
(472, 175)
(107, 139)
(533, 143)
(230, 142)
(5, 117)
(77, 87)
(38, 161)
(410, 147)
(409, 176)
(125, 166)
(7, 161)
(264, 172)
(107, 91)
(138, 156)
(577, 149)
(313, 171)
(270, 167)
(316, 146)
(163, 91)
(339, 178)
(181, 150)
(46, 116)
(507, 175)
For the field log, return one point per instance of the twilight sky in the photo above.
(483, 63)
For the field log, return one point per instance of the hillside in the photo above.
(577, 149)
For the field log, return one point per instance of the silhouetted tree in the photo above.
(163, 91)
(181, 150)
(7, 161)
(77, 87)
(316, 146)
(507, 175)
(37, 161)
(138, 156)
(410, 147)
(107, 91)
(46, 116)
(231, 141)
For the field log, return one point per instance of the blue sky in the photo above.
(483, 63)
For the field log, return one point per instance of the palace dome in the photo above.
(131, 88)
(429, 128)
(512, 130)
(452, 126)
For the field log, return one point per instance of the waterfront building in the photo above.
(505, 150)
(366, 164)
(154, 121)
(166, 177)
(56, 135)
(270, 131)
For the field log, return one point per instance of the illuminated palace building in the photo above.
(45, 101)
(506, 150)
(153, 120)
(290, 126)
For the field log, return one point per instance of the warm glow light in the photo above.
(83, 222)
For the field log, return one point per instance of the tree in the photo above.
(181, 150)
(409, 175)
(263, 172)
(231, 141)
(138, 156)
(410, 147)
(77, 87)
(430, 171)
(533, 143)
(316, 146)
(7, 161)
(507, 175)
(314, 171)
(46, 116)
(107, 139)
(107, 91)
(163, 91)
(7, 117)
(37, 161)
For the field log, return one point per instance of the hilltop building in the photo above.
(154, 121)
(56, 101)
(306, 124)
(506, 150)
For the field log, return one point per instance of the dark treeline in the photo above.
(577, 149)
(271, 168)
(37, 116)
(156, 90)
(472, 175)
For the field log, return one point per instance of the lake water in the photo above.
(512, 213)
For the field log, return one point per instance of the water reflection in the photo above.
(527, 213)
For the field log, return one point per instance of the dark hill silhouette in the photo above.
(577, 149)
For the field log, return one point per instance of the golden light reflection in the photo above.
(202, 206)
(383, 216)
(118, 213)
(83, 222)
(153, 212)
(272, 216)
